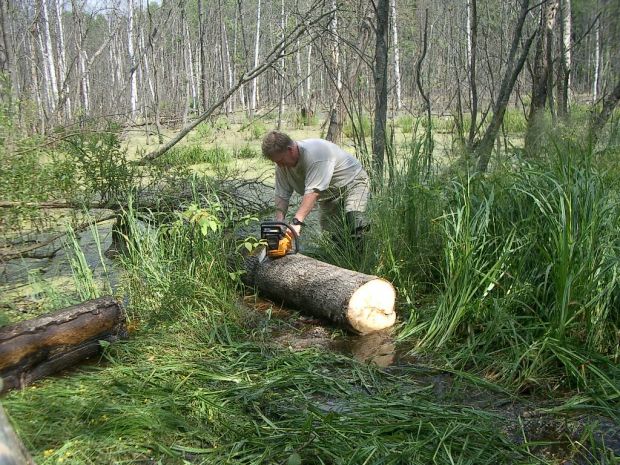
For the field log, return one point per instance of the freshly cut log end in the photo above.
(371, 307)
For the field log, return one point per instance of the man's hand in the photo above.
(296, 228)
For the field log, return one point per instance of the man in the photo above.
(322, 172)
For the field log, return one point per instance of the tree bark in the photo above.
(484, 146)
(472, 45)
(359, 302)
(380, 71)
(397, 79)
(12, 450)
(32, 349)
(254, 98)
(540, 77)
(609, 103)
(564, 75)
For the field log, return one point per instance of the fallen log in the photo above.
(33, 349)
(359, 302)
(12, 450)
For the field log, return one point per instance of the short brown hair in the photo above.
(275, 142)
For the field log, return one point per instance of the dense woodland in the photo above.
(130, 167)
(68, 61)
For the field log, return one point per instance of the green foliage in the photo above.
(204, 130)
(529, 272)
(256, 129)
(246, 152)
(102, 166)
(514, 121)
(359, 126)
(405, 123)
(301, 121)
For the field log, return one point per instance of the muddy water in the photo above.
(26, 282)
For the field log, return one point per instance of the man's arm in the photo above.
(281, 208)
(307, 204)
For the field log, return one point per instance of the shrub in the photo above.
(256, 129)
(246, 152)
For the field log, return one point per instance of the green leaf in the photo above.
(294, 459)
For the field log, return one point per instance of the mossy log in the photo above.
(359, 302)
(33, 349)
(12, 451)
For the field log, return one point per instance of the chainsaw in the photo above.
(280, 238)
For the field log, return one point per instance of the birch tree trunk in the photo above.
(51, 83)
(254, 97)
(282, 69)
(203, 58)
(309, 77)
(397, 79)
(597, 60)
(564, 75)
(62, 59)
(133, 85)
(472, 44)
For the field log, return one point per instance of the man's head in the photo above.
(280, 149)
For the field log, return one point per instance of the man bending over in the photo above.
(322, 172)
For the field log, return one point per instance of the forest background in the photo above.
(130, 164)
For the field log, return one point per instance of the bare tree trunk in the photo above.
(381, 93)
(254, 97)
(62, 59)
(427, 102)
(541, 76)
(203, 57)
(397, 78)
(51, 83)
(609, 104)
(7, 89)
(282, 69)
(472, 45)
(192, 95)
(155, 80)
(34, 76)
(564, 74)
(133, 85)
(483, 148)
(597, 60)
(309, 76)
(334, 130)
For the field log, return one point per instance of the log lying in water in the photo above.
(32, 349)
(12, 451)
(356, 301)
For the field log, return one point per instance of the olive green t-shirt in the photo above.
(322, 167)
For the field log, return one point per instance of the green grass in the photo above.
(194, 383)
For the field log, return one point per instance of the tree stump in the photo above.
(359, 302)
(32, 349)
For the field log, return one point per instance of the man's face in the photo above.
(288, 158)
